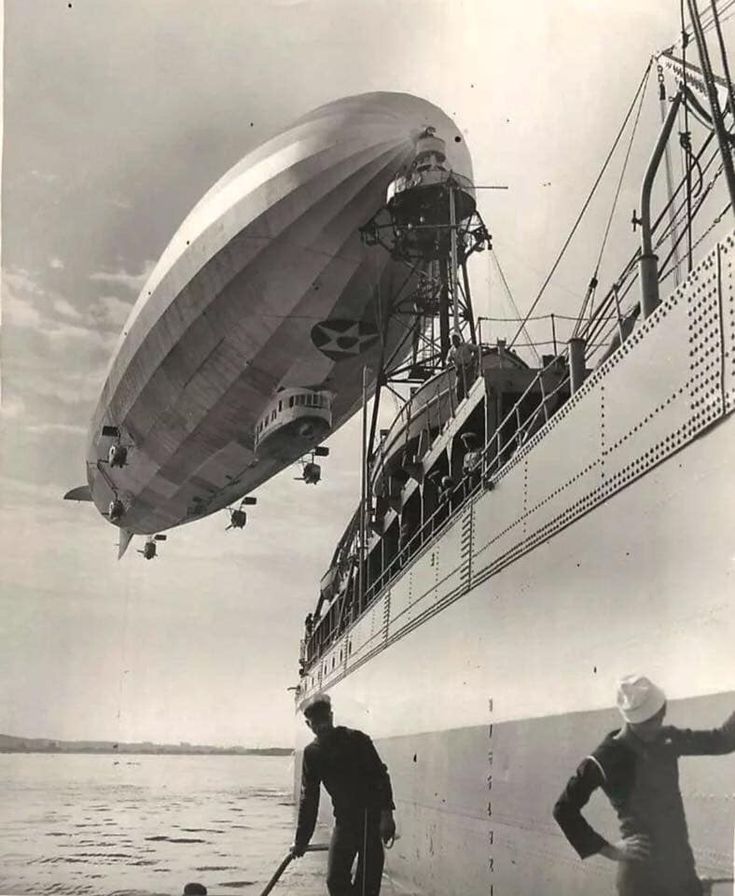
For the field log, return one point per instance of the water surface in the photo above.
(102, 825)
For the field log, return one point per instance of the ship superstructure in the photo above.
(529, 534)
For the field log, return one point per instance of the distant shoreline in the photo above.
(12, 744)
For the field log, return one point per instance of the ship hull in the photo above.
(535, 652)
(486, 671)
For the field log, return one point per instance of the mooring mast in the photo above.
(430, 222)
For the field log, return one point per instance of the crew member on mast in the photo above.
(348, 765)
(637, 768)
(461, 356)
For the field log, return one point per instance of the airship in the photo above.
(247, 345)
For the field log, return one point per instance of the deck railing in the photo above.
(521, 422)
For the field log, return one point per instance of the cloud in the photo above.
(44, 176)
(29, 305)
(68, 335)
(12, 407)
(21, 490)
(56, 264)
(133, 282)
(74, 388)
(54, 360)
(19, 280)
(111, 312)
(22, 314)
(55, 428)
(65, 309)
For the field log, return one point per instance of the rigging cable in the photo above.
(723, 54)
(685, 140)
(600, 316)
(683, 38)
(508, 293)
(716, 221)
(587, 202)
(592, 326)
(593, 280)
(669, 175)
(681, 212)
(701, 188)
(723, 138)
(707, 19)
(595, 326)
(711, 18)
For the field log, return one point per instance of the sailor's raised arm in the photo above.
(568, 809)
(308, 805)
(713, 742)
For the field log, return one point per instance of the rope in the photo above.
(622, 173)
(593, 281)
(701, 193)
(717, 220)
(596, 323)
(712, 226)
(711, 15)
(683, 209)
(684, 140)
(512, 302)
(708, 22)
(597, 320)
(673, 227)
(587, 201)
(723, 53)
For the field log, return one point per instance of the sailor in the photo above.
(404, 534)
(446, 489)
(471, 462)
(637, 768)
(356, 779)
(461, 356)
(195, 889)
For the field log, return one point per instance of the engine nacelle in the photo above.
(238, 518)
(117, 456)
(312, 473)
(115, 510)
(150, 548)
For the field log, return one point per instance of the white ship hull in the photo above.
(606, 547)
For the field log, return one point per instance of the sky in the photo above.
(117, 118)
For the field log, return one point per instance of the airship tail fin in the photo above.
(80, 493)
(122, 545)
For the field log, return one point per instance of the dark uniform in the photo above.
(348, 765)
(641, 780)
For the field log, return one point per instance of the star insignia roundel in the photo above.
(339, 339)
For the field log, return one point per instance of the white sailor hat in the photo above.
(316, 703)
(639, 699)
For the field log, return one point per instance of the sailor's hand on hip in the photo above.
(634, 848)
(387, 827)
